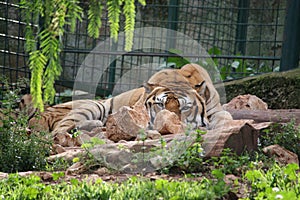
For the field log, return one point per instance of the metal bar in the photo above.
(242, 24)
(172, 23)
(291, 37)
(152, 54)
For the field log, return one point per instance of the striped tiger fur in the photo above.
(187, 104)
(200, 80)
(166, 89)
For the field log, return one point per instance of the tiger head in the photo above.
(26, 105)
(198, 78)
(187, 104)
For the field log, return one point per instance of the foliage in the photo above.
(16, 187)
(19, 151)
(192, 159)
(277, 183)
(286, 135)
(238, 68)
(44, 41)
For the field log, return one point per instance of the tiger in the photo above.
(77, 114)
(61, 119)
(200, 80)
(187, 104)
(14, 113)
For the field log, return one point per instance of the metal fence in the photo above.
(243, 37)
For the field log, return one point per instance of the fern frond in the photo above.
(37, 61)
(94, 17)
(114, 10)
(74, 13)
(129, 12)
(142, 2)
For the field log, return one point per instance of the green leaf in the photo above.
(114, 10)
(218, 174)
(94, 17)
(129, 12)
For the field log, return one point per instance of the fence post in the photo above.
(172, 23)
(291, 37)
(241, 31)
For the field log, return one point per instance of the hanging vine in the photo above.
(44, 44)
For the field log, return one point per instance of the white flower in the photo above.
(275, 189)
(278, 196)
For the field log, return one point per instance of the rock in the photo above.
(46, 176)
(127, 123)
(148, 155)
(76, 168)
(83, 138)
(68, 155)
(153, 134)
(248, 102)
(167, 122)
(56, 149)
(281, 154)
(100, 131)
(142, 156)
(3, 175)
(238, 135)
(149, 134)
(101, 171)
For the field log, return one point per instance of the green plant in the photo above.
(46, 22)
(32, 187)
(277, 183)
(286, 135)
(192, 159)
(229, 162)
(57, 165)
(19, 150)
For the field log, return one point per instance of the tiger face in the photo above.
(197, 77)
(187, 104)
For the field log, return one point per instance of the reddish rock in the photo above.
(127, 123)
(249, 102)
(238, 135)
(167, 122)
(281, 154)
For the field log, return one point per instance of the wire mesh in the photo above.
(245, 38)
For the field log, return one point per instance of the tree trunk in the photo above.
(279, 116)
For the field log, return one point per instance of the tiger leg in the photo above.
(85, 116)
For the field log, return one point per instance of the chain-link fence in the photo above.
(244, 38)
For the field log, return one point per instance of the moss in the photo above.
(279, 90)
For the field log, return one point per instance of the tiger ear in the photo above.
(201, 88)
(149, 87)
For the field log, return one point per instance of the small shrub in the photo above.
(277, 183)
(192, 159)
(19, 151)
(286, 135)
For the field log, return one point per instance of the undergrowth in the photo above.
(20, 150)
(16, 187)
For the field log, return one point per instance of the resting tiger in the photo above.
(61, 119)
(201, 81)
(188, 92)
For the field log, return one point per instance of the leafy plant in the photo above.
(46, 22)
(16, 187)
(19, 150)
(192, 159)
(277, 183)
(286, 135)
